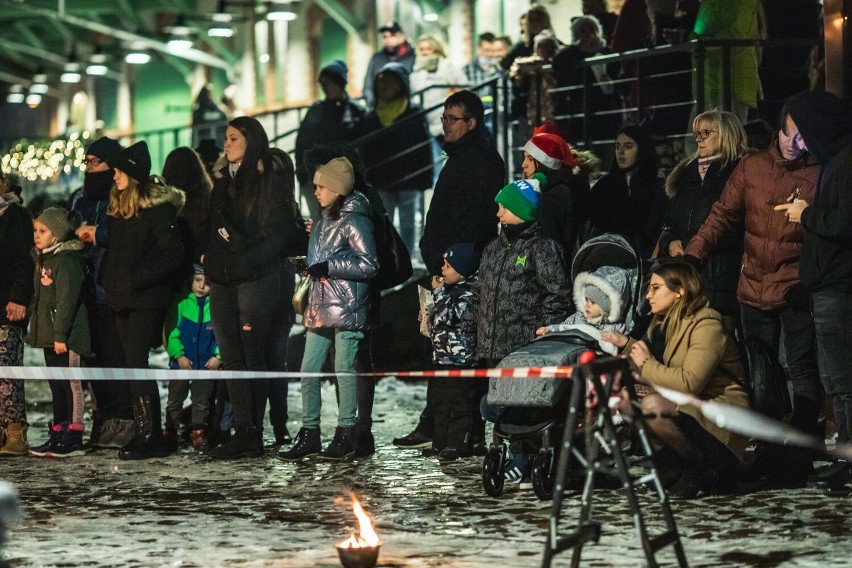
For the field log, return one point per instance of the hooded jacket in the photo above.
(522, 286)
(342, 299)
(412, 170)
(144, 253)
(16, 262)
(770, 263)
(462, 207)
(452, 345)
(192, 336)
(825, 123)
(58, 312)
(404, 55)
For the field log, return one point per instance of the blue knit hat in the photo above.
(521, 197)
(463, 258)
(337, 71)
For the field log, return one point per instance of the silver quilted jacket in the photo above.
(342, 300)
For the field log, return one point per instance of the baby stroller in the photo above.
(534, 410)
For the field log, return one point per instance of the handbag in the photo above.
(394, 257)
(300, 296)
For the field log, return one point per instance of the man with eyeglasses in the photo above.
(462, 209)
(773, 304)
(824, 123)
(113, 416)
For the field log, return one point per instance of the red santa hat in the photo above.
(551, 151)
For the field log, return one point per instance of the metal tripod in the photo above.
(603, 455)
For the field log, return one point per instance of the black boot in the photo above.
(148, 441)
(170, 438)
(341, 447)
(307, 443)
(282, 436)
(363, 441)
(245, 443)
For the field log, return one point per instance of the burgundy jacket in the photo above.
(772, 244)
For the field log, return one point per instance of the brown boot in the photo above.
(16, 441)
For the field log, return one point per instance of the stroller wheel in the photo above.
(492, 472)
(542, 476)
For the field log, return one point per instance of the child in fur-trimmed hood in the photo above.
(602, 298)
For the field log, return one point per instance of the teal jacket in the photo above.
(58, 313)
(192, 335)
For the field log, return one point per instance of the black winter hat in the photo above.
(337, 71)
(463, 258)
(135, 161)
(104, 148)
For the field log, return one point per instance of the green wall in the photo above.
(333, 45)
(161, 101)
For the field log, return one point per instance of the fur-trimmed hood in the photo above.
(612, 281)
(71, 245)
(164, 194)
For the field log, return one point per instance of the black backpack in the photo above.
(394, 257)
(766, 381)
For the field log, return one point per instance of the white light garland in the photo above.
(46, 159)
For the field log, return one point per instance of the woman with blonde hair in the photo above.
(693, 187)
(140, 270)
(687, 349)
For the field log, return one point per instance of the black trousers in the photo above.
(112, 398)
(799, 336)
(457, 420)
(138, 330)
(277, 352)
(243, 316)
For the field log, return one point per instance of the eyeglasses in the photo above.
(94, 162)
(446, 119)
(703, 134)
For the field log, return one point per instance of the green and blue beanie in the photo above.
(522, 196)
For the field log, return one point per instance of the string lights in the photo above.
(45, 159)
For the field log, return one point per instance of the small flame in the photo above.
(367, 537)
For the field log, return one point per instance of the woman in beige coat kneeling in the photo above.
(687, 349)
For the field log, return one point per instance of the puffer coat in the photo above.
(770, 264)
(342, 299)
(523, 285)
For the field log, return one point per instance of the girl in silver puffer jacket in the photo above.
(341, 260)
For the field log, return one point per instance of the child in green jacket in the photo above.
(191, 345)
(60, 326)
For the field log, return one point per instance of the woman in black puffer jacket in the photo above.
(693, 187)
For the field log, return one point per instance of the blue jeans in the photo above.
(406, 203)
(833, 322)
(317, 343)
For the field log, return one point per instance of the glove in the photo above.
(798, 298)
(693, 261)
(319, 270)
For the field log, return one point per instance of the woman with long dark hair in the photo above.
(253, 225)
(629, 200)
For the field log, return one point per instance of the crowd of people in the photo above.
(749, 243)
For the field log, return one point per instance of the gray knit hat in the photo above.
(60, 222)
(599, 297)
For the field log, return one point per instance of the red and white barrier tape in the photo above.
(111, 374)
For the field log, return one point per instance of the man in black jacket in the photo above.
(823, 124)
(462, 207)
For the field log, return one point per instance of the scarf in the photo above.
(97, 185)
(705, 163)
(389, 111)
(513, 231)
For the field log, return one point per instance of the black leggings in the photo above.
(68, 403)
(138, 330)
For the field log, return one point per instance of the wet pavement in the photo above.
(189, 511)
